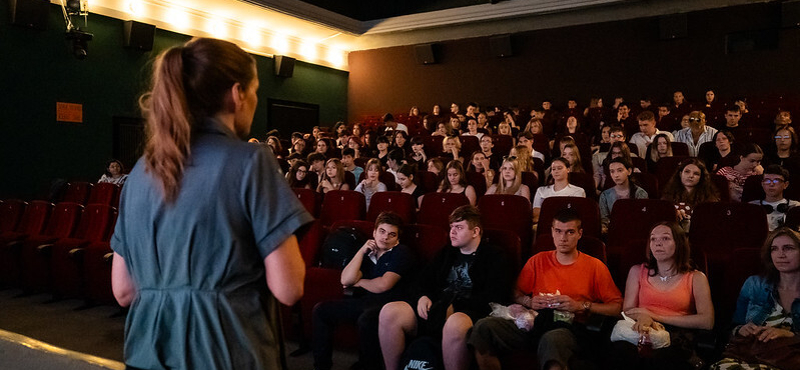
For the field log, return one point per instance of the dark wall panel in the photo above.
(621, 58)
(38, 70)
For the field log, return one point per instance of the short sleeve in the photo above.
(118, 239)
(403, 261)
(537, 199)
(526, 277)
(274, 211)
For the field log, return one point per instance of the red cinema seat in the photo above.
(730, 277)
(469, 144)
(425, 240)
(34, 263)
(77, 192)
(10, 214)
(509, 242)
(66, 255)
(666, 167)
(428, 181)
(743, 226)
(342, 205)
(680, 149)
(398, 202)
(436, 208)
(585, 181)
(104, 193)
(32, 223)
(97, 259)
(648, 182)
(502, 144)
(478, 181)
(752, 189)
(721, 183)
(309, 199)
(509, 212)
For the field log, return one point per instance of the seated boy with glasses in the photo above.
(776, 180)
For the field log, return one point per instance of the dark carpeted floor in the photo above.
(96, 330)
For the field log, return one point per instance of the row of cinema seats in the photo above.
(58, 248)
(725, 236)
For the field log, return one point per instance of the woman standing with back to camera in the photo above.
(204, 241)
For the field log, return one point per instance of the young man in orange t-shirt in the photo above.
(562, 280)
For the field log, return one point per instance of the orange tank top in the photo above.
(679, 300)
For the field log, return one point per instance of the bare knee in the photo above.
(456, 327)
(397, 314)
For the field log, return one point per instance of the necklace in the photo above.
(665, 278)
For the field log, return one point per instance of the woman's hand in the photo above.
(636, 312)
(771, 333)
(749, 329)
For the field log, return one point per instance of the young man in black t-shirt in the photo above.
(454, 292)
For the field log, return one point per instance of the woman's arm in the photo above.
(471, 195)
(286, 271)
(526, 191)
(121, 282)
(536, 212)
(631, 299)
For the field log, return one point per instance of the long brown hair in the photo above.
(189, 83)
(705, 191)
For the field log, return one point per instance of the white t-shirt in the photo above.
(545, 192)
(776, 219)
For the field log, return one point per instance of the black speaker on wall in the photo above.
(501, 46)
(284, 66)
(29, 13)
(790, 14)
(426, 53)
(675, 26)
(137, 35)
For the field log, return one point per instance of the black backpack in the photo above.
(424, 353)
(340, 246)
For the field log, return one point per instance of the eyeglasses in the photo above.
(694, 119)
(772, 181)
(617, 136)
(784, 137)
(510, 158)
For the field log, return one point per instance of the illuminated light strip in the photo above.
(49, 348)
(240, 27)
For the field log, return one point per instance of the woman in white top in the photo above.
(510, 181)
(560, 186)
(114, 173)
(371, 183)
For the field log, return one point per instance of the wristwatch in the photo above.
(587, 305)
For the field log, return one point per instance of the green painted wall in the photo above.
(37, 70)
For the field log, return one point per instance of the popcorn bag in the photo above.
(522, 317)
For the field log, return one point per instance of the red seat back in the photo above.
(680, 149)
(478, 181)
(436, 208)
(509, 242)
(511, 213)
(77, 192)
(752, 189)
(10, 214)
(104, 193)
(424, 240)
(502, 144)
(469, 144)
(96, 222)
(35, 217)
(666, 167)
(428, 181)
(342, 205)
(63, 220)
(743, 226)
(721, 183)
(309, 199)
(648, 182)
(585, 181)
(398, 202)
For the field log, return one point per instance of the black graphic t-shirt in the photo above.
(459, 282)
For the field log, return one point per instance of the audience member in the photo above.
(332, 177)
(455, 181)
(406, 178)
(665, 293)
(565, 285)
(114, 173)
(377, 274)
(774, 183)
(732, 118)
(316, 167)
(749, 165)
(558, 186)
(371, 183)
(510, 180)
(783, 150)
(721, 153)
(454, 292)
(647, 132)
(395, 159)
(523, 155)
(689, 186)
(618, 149)
(480, 164)
(382, 152)
(451, 148)
(697, 133)
(348, 161)
(768, 308)
(620, 171)
(660, 147)
(487, 144)
(526, 139)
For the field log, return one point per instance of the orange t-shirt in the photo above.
(587, 279)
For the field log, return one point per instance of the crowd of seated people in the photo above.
(691, 149)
